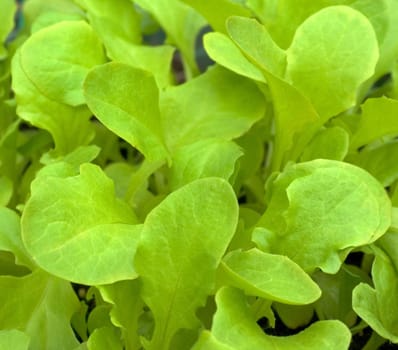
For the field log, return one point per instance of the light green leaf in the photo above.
(10, 237)
(182, 243)
(380, 162)
(59, 74)
(125, 100)
(117, 23)
(8, 9)
(282, 17)
(333, 52)
(82, 154)
(296, 122)
(222, 50)
(330, 143)
(383, 16)
(127, 307)
(68, 126)
(294, 316)
(14, 339)
(208, 342)
(35, 11)
(41, 306)
(115, 19)
(229, 106)
(99, 317)
(235, 328)
(216, 12)
(306, 218)
(378, 306)
(154, 59)
(254, 40)
(378, 119)
(84, 234)
(336, 300)
(269, 276)
(49, 18)
(181, 24)
(206, 158)
(104, 338)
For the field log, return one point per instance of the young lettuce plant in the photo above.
(252, 206)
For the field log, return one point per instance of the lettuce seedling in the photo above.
(252, 205)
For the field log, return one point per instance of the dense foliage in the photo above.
(249, 205)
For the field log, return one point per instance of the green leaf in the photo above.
(14, 339)
(378, 119)
(378, 306)
(306, 218)
(41, 306)
(181, 24)
(254, 40)
(295, 122)
(154, 59)
(125, 100)
(49, 18)
(383, 16)
(380, 162)
(336, 300)
(210, 157)
(294, 316)
(10, 237)
(113, 20)
(126, 309)
(40, 13)
(8, 9)
(229, 106)
(68, 126)
(222, 50)
(216, 12)
(282, 17)
(184, 238)
(329, 143)
(235, 328)
(333, 52)
(269, 276)
(117, 24)
(59, 74)
(85, 234)
(104, 338)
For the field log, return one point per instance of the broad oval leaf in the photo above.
(41, 306)
(378, 305)
(378, 119)
(234, 327)
(74, 227)
(69, 126)
(270, 276)
(181, 245)
(229, 106)
(206, 158)
(255, 41)
(222, 50)
(330, 143)
(59, 74)
(333, 52)
(320, 210)
(126, 101)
